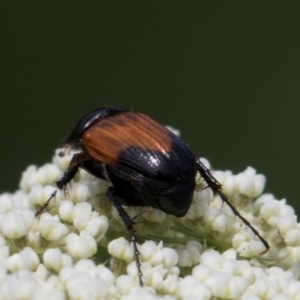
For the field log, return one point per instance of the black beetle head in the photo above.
(177, 199)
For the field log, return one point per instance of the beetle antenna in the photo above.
(216, 187)
(129, 223)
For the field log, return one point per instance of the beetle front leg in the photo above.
(61, 184)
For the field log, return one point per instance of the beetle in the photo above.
(147, 164)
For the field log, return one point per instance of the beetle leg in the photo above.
(105, 172)
(129, 223)
(216, 187)
(61, 184)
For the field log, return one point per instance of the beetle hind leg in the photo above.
(129, 223)
(216, 187)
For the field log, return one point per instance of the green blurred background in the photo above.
(226, 73)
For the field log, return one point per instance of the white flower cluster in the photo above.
(79, 248)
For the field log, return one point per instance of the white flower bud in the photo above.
(15, 263)
(260, 201)
(170, 285)
(97, 226)
(157, 258)
(80, 193)
(30, 259)
(15, 224)
(48, 216)
(238, 239)
(202, 273)
(81, 286)
(194, 244)
(66, 211)
(229, 254)
(20, 199)
(6, 203)
(66, 273)
(229, 185)
(82, 246)
(229, 287)
(62, 161)
(293, 290)
(222, 176)
(4, 254)
(190, 288)
(19, 286)
(245, 270)
(28, 178)
(2, 242)
(41, 274)
(292, 237)
(28, 214)
(270, 211)
(149, 248)
(82, 208)
(188, 257)
(230, 266)
(47, 174)
(27, 259)
(169, 257)
(84, 265)
(103, 273)
(66, 261)
(210, 258)
(125, 284)
(143, 293)
(245, 248)
(250, 296)
(53, 259)
(154, 278)
(52, 230)
(286, 210)
(51, 289)
(200, 204)
(261, 289)
(173, 271)
(81, 220)
(40, 194)
(132, 270)
(249, 183)
(218, 221)
(121, 249)
(221, 223)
